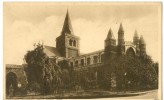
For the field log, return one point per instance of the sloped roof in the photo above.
(142, 41)
(121, 28)
(136, 34)
(51, 51)
(67, 27)
(92, 53)
(110, 35)
(13, 66)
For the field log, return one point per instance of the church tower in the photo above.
(110, 45)
(136, 41)
(142, 46)
(67, 43)
(120, 46)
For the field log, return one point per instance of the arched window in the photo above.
(11, 82)
(102, 58)
(71, 63)
(70, 42)
(82, 62)
(88, 61)
(74, 43)
(76, 63)
(95, 59)
(130, 52)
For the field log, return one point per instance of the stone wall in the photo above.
(18, 70)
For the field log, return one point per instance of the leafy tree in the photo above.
(42, 70)
(134, 72)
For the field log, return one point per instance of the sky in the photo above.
(27, 23)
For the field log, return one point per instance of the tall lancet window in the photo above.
(95, 59)
(74, 43)
(70, 42)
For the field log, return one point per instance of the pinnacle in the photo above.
(67, 27)
(136, 34)
(142, 41)
(110, 35)
(121, 28)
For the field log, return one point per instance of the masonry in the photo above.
(15, 77)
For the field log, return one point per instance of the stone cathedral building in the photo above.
(67, 55)
(68, 47)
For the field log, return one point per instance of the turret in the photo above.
(121, 35)
(135, 38)
(121, 46)
(136, 41)
(142, 46)
(110, 40)
(110, 45)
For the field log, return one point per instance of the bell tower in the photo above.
(121, 45)
(67, 43)
(136, 41)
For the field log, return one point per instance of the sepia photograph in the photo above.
(82, 50)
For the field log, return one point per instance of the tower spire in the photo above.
(67, 27)
(121, 35)
(142, 41)
(110, 35)
(120, 46)
(121, 28)
(136, 34)
(135, 37)
(142, 46)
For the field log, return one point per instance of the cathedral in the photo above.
(97, 67)
(85, 70)
(68, 48)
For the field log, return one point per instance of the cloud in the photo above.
(28, 23)
(20, 37)
(37, 11)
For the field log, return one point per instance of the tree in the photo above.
(42, 70)
(36, 62)
(133, 72)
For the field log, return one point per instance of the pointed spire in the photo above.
(110, 35)
(136, 34)
(67, 27)
(142, 41)
(135, 37)
(121, 28)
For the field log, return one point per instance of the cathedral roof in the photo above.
(110, 35)
(92, 53)
(51, 51)
(67, 27)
